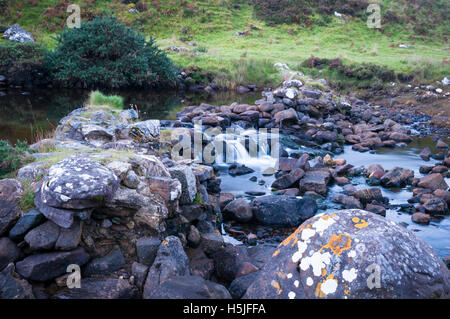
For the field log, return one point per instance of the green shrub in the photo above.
(96, 98)
(12, 158)
(106, 53)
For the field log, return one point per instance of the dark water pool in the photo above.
(26, 115)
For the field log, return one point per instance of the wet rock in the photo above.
(28, 221)
(286, 163)
(433, 182)
(105, 265)
(439, 169)
(189, 287)
(225, 199)
(239, 286)
(315, 180)
(325, 136)
(9, 214)
(69, 238)
(425, 154)
(371, 251)
(368, 195)
(43, 267)
(421, 218)
(228, 261)
(376, 209)
(397, 177)
(146, 249)
(282, 210)
(78, 183)
(343, 169)
(347, 201)
(170, 261)
(10, 189)
(139, 271)
(235, 170)
(100, 288)
(289, 180)
(302, 162)
(188, 182)
(9, 252)
(399, 137)
(441, 144)
(11, 287)
(238, 210)
(445, 195)
(436, 206)
(43, 236)
(288, 192)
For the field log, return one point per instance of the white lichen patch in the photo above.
(309, 281)
(296, 283)
(291, 295)
(317, 261)
(329, 286)
(322, 224)
(351, 254)
(308, 233)
(349, 275)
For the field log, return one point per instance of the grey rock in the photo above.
(188, 182)
(43, 236)
(9, 252)
(17, 34)
(239, 210)
(28, 221)
(10, 189)
(9, 214)
(239, 286)
(145, 132)
(139, 271)
(146, 249)
(105, 265)
(100, 288)
(69, 238)
(11, 287)
(131, 180)
(43, 267)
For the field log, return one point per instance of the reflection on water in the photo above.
(25, 114)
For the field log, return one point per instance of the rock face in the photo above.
(352, 254)
(190, 287)
(283, 210)
(188, 182)
(10, 189)
(171, 260)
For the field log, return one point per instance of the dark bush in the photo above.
(22, 63)
(107, 53)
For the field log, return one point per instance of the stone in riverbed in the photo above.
(171, 260)
(9, 214)
(235, 170)
(9, 252)
(436, 206)
(433, 181)
(282, 210)
(421, 218)
(377, 259)
(425, 154)
(315, 180)
(347, 201)
(368, 195)
(288, 180)
(238, 210)
(189, 287)
(43, 267)
(397, 177)
(28, 221)
(78, 183)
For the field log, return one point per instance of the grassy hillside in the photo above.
(211, 24)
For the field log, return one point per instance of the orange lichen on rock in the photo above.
(276, 285)
(338, 243)
(276, 253)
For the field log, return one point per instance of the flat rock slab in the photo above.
(78, 183)
(43, 267)
(352, 254)
(282, 210)
(316, 181)
(100, 288)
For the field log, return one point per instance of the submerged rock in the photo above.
(352, 254)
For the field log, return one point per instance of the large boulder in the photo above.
(282, 210)
(170, 261)
(78, 183)
(189, 287)
(352, 254)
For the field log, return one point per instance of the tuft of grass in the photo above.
(98, 99)
(26, 202)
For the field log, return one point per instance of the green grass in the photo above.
(98, 99)
(234, 59)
